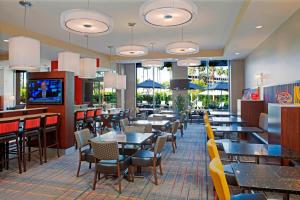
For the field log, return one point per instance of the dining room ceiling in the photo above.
(227, 25)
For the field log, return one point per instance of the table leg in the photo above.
(286, 196)
(257, 159)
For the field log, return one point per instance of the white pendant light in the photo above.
(86, 22)
(152, 63)
(131, 50)
(87, 68)
(24, 52)
(168, 13)
(110, 80)
(121, 82)
(68, 61)
(188, 62)
(182, 47)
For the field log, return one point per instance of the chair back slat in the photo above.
(9, 127)
(32, 123)
(212, 149)
(79, 115)
(106, 150)
(82, 137)
(90, 113)
(98, 112)
(51, 120)
(218, 176)
(160, 143)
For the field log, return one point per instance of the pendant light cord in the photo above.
(182, 32)
(88, 4)
(25, 15)
(87, 41)
(131, 37)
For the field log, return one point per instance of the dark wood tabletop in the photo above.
(227, 120)
(237, 129)
(167, 116)
(221, 113)
(122, 138)
(167, 112)
(258, 150)
(155, 124)
(23, 117)
(274, 178)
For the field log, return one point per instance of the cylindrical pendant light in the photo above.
(110, 80)
(121, 82)
(68, 61)
(87, 68)
(24, 53)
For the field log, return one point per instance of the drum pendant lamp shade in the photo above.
(87, 68)
(68, 61)
(24, 53)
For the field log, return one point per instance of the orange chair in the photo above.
(97, 118)
(89, 120)
(79, 120)
(221, 186)
(9, 131)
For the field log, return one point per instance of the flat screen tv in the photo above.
(45, 91)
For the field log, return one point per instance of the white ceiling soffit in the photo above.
(215, 27)
(267, 13)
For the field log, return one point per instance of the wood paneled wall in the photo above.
(250, 111)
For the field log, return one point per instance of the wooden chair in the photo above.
(31, 130)
(9, 131)
(85, 152)
(147, 158)
(109, 162)
(171, 137)
(221, 186)
(51, 125)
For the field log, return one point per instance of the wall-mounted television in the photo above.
(45, 91)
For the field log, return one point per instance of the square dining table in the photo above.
(155, 124)
(227, 120)
(269, 178)
(228, 130)
(258, 150)
(170, 117)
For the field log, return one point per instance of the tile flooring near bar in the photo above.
(184, 177)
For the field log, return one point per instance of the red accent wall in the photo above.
(78, 90)
(78, 98)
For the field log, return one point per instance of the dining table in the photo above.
(170, 117)
(268, 178)
(227, 120)
(167, 112)
(258, 151)
(221, 113)
(229, 130)
(159, 125)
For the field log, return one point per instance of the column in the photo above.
(237, 82)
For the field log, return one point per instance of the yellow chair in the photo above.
(212, 149)
(221, 186)
(209, 131)
(206, 118)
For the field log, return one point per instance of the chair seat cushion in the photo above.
(229, 174)
(144, 158)
(256, 196)
(110, 166)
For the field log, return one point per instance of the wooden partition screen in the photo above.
(66, 133)
(1, 102)
(250, 111)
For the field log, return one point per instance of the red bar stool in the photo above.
(9, 131)
(89, 120)
(97, 118)
(51, 126)
(79, 120)
(31, 130)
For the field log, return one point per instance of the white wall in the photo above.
(278, 57)
(7, 86)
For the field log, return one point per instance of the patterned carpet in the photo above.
(183, 177)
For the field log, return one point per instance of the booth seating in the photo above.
(51, 125)
(9, 131)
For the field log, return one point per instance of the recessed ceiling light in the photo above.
(237, 53)
(5, 40)
(259, 27)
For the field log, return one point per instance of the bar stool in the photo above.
(51, 124)
(89, 120)
(31, 129)
(9, 131)
(79, 120)
(97, 118)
